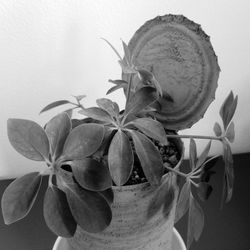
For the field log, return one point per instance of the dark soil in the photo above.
(169, 154)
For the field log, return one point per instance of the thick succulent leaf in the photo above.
(217, 129)
(163, 198)
(54, 104)
(97, 114)
(108, 194)
(90, 209)
(120, 158)
(151, 128)
(192, 153)
(91, 174)
(111, 107)
(57, 214)
(195, 221)
(229, 173)
(228, 109)
(141, 99)
(203, 155)
(183, 201)
(149, 157)
(204, 190)
(230, 134)
(28, 138)
(19, 197)
(57, 130)
(83, 141)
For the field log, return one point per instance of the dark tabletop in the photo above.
(225, 229)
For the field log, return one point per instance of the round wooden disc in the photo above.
(179, 54)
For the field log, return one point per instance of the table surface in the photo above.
(225, 229)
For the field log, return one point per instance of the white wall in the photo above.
(51, 50)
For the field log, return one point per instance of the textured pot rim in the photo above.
(177, 239)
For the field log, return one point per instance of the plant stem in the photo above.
(50, 184)
(195, 184)
(175, 171)
(195, 136)
(128, 90)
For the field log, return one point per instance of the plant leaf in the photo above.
(217, 129)
(118, 82)
(97, 114)
(115, 88)
(76, 122)
(127, 53)
(83, 141)
(54, 104)
(110, 107)
(126, 69)
(141, 99)
(57, 130)
(91, 174)
(28, 138)
(206, 170)
(149, 157)
(57, 213)
(183, 201)
(120, 158)
(90, 210)
(69, 112)
(195, 221)
(149, 79)
(19, 197)
(151, 128)
(203, 155)
(113, 48)
(192, 153)
(228, 109)
(229, 172)
(108, 194)
(230, 133)
(204, 191)
(164, 197)
(79, 97)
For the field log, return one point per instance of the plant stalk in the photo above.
(196, 137)
(176, 171)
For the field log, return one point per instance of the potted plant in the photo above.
(114, 174)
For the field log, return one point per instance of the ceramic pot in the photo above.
(177, 242)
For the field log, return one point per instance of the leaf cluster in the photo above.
(86, 157)
(81, 196)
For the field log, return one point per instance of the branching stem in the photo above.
(196, 137)
(129, 89)
(176, 171)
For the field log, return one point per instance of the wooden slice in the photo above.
(179, 54)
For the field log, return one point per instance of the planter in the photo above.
(177, 242)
